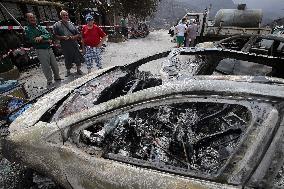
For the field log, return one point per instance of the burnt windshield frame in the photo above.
(131, 68)
(173, 99)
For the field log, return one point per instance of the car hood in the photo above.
(33, 114)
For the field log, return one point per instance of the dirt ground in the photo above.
(114, 54)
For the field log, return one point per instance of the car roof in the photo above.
(230, 85)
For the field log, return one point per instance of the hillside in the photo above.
(170, 11)
(216, 5)
(272, 9)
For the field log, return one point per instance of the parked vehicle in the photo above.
(122, 126)
(278, 30)
(134, 34)
(141, 31)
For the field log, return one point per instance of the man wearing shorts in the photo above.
(181, 29)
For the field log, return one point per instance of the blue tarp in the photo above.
(7, 85)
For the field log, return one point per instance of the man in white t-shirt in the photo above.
(181, 29)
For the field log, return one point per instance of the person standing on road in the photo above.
(40, 38)
(68, 35)
(93, 38)
(192, 32)
(180, 28)
(187, 38)
(124, 27)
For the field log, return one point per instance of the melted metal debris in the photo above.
(279, 179)
(180, 67)
(200, 61)
(191, 136)
(9, 174)
(16, 176)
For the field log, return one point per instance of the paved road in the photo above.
(115, 54)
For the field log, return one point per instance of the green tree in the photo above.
(137, 8)
(78, 6)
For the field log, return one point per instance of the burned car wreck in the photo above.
(271, 44)
(127, 128)
(265, 46)
(184, 63)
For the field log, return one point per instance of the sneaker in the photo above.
(79, 72)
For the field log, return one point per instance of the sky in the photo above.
(267, 5)
(272, 9)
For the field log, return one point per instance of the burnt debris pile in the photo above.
(183, 66)
(279, 179)
(186, 136)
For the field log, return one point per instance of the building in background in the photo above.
(11, 34)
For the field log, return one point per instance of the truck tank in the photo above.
(248, 18)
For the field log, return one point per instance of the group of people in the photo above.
(92, 38)
(186, 33)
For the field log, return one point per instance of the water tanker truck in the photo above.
(228, 22)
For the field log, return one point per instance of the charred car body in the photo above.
(125, 128)
(270, 45)
(266, 47)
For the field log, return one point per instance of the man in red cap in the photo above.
(93, 38)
